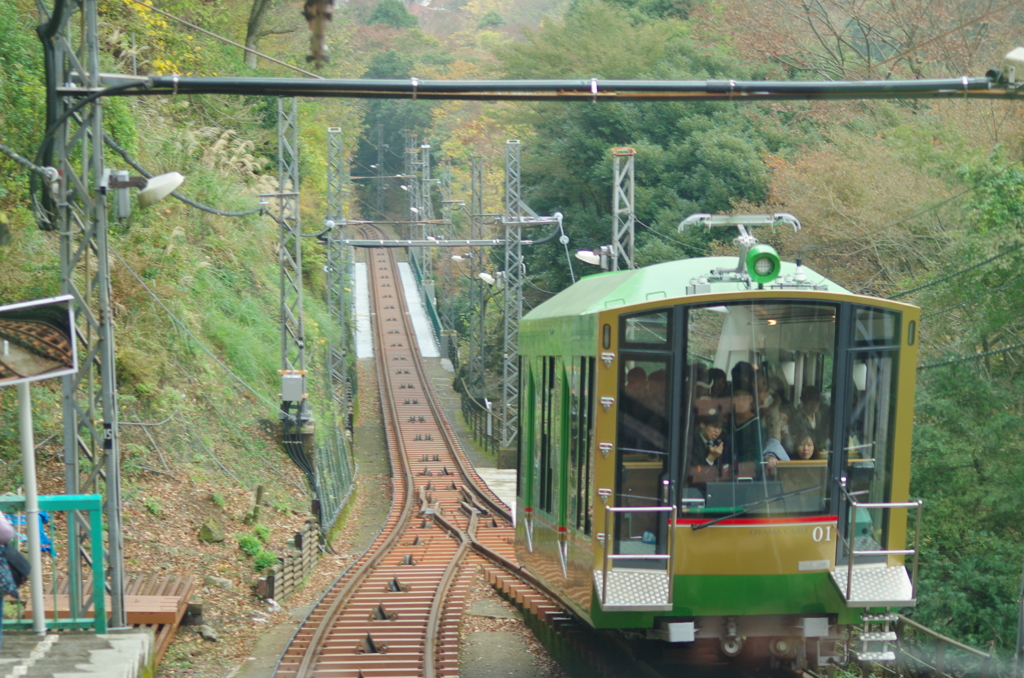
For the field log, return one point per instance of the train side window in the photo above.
(581, 438)
(548, 431)
(587, 430)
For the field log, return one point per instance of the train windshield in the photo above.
(756, 416)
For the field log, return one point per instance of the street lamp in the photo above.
(598, 257)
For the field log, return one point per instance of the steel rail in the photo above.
(410, 637)
(309, 657)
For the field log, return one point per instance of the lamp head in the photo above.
(159, 187)
(589, 257)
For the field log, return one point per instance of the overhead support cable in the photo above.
(572, 90)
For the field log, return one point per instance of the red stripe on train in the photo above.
(761, 521)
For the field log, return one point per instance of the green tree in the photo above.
(392, 13)
(491, 20)
(690, 157)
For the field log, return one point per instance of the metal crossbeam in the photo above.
(293, 337)
(623, 210)
(90, 396)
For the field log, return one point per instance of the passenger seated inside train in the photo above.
(642, 427)
(812, 416)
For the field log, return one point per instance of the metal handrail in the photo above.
(608, 557)
(92, 506)
(854, 504)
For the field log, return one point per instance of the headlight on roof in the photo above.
(763, 263)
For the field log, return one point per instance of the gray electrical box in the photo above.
(293, 387)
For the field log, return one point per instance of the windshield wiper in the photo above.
(746, 508)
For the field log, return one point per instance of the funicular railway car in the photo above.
(717, 455)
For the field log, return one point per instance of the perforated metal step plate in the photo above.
(634, 590)
(875, 585)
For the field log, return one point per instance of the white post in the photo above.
(28, 466)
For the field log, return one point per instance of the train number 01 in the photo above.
(822, 533)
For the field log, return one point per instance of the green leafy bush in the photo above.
(264, 561)
(262, 532)
(251, 544)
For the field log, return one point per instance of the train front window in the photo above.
(756, 418)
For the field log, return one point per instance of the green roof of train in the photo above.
(658, 281)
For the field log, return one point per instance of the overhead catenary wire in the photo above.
(971, 357)
(975, 298)
(954, 274)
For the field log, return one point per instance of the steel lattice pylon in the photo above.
(426, 211)
(293, 337)
(90, 396)
(623, 210)
(412, 185)
(447, 231)
(513, 293)
(336, 265)
(476, 291)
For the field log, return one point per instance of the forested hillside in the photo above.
(920, 200)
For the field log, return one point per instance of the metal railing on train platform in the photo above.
(78, 609)
(479, 420)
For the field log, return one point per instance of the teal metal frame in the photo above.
(92, 506)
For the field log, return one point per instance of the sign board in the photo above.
(37, 340)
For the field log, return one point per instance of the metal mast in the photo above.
(426, 211)
(514, 274)
(412, 186)
(380, 173)
(476, 291)
(90, 396)
(623, 204)
(293, 336)
(447, 231)
(336, 266)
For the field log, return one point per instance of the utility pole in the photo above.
(623, 208)
(71, 38)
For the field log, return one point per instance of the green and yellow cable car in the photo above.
(717, 454)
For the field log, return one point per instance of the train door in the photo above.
(642, 448)
(867, 419)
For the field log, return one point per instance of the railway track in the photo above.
(396, 612)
